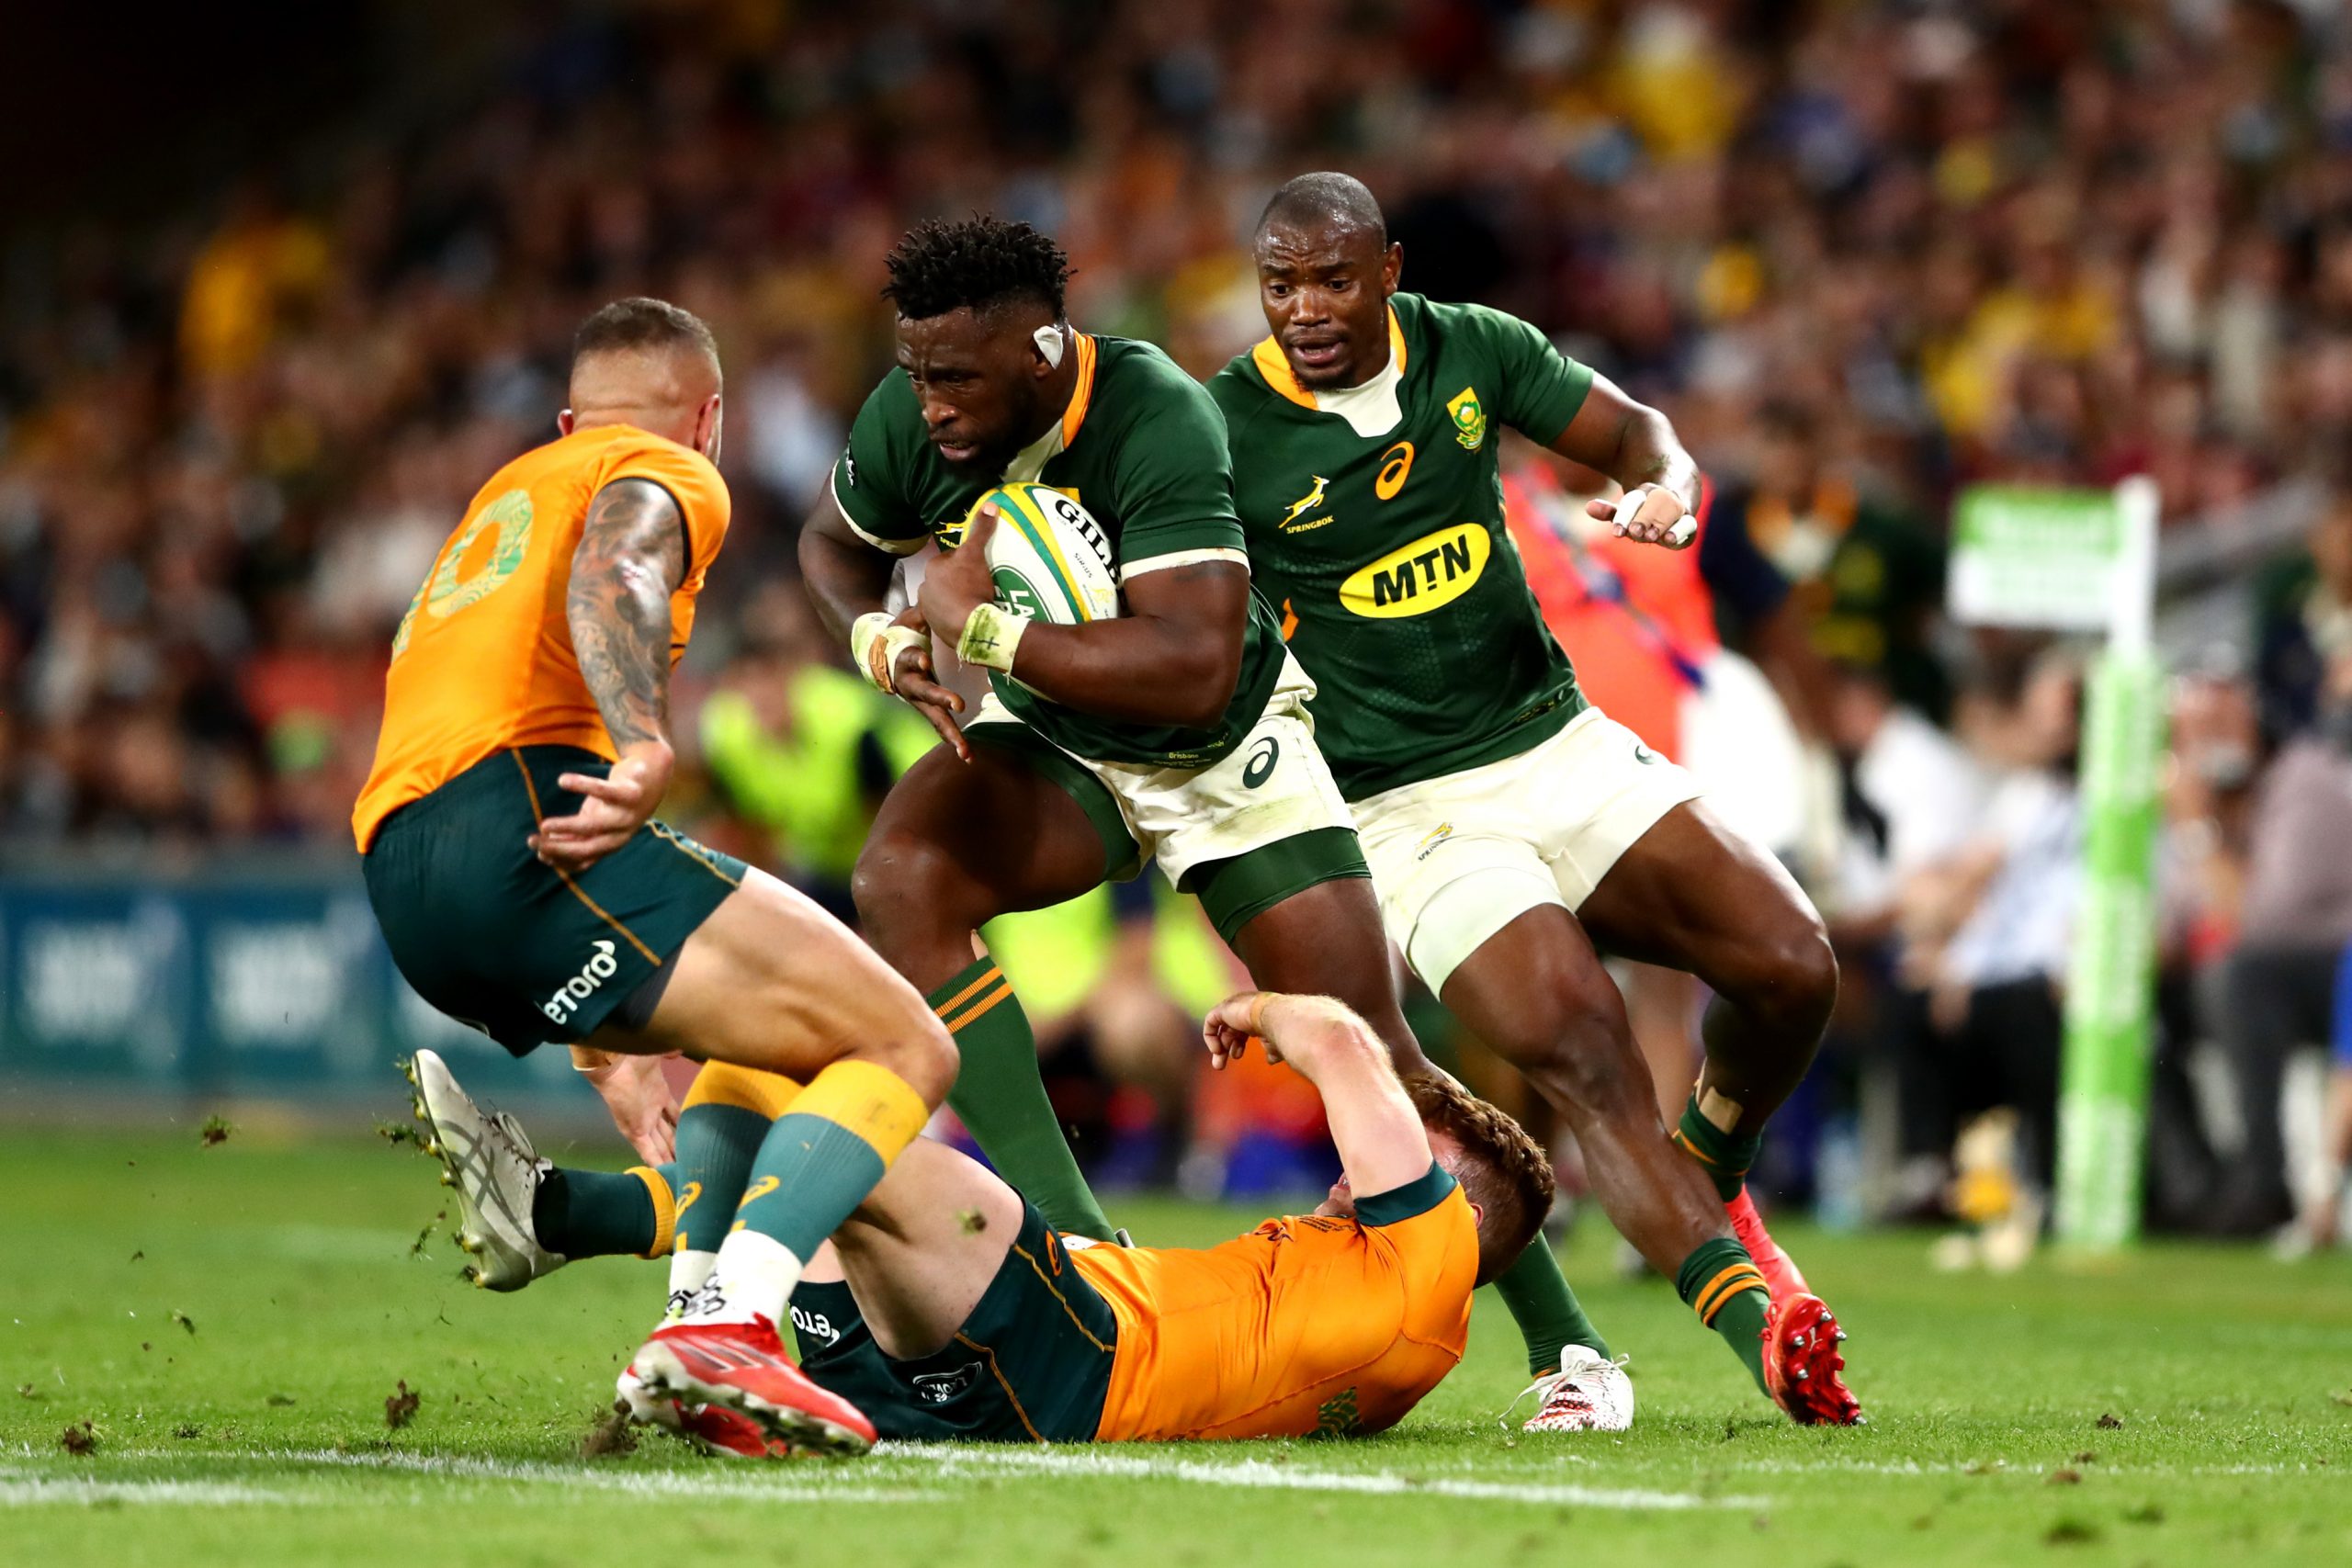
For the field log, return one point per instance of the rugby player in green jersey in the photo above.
(1512, 829)
(1175, 731)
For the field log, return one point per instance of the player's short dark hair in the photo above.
(639, 323)
(977, 263)
(1503, 1170)
(1325, 196)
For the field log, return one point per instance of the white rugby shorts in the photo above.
(1273, 786)
(1457, 858)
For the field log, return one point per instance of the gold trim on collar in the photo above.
(1269, 359)
(1075, 415)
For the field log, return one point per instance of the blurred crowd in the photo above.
(1863, 253)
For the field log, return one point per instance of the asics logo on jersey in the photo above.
(1261, 765)
(600, 966)
(1643, 754)
(1430, 573)
(1307, 503)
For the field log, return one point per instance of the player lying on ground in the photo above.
(960, 1314)
(1175, 731)
(511, 853)
(1511, 826)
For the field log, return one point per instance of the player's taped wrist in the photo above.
(875, 643)
(990, 638)
(1678, 533)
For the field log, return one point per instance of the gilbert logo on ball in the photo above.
(1050, 558)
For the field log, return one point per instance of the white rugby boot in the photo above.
(1588, 1394)
(487, 1157)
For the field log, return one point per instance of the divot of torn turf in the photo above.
(399, 1407)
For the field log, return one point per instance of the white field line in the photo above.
(1263, 1474)
(762, 1483)
(2019, 1467)
(901, 1462)
(21, 1491)
(814, 1481)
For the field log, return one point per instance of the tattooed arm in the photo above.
(632, 555)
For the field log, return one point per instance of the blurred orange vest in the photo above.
(1637, 620)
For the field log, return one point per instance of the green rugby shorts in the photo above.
(497, 939)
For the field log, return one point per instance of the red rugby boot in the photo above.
(1802, 1363)
(713, 1428)
(743, 1367)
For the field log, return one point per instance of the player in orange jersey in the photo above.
(950, 1309)
(525, 888)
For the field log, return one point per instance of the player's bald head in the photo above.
(1326, 269)
(1327, 202)
(647, 363)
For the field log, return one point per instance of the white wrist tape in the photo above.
(874, 645)
(1678, 534)
(990, 638)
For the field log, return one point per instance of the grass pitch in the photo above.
(231, 1321)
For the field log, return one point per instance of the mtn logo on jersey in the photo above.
(1469, 419)
(1412, 580)
(600, 966)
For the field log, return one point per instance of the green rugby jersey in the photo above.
(1375, 519)
(1142, 449)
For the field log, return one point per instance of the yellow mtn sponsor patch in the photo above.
(1432, 571)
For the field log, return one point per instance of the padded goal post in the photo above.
(2085, 561)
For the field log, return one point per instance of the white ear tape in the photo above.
(1050, 344)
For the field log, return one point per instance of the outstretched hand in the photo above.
(1650, 515)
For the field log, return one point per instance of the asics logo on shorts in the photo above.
(601, 965)
(1261, 766)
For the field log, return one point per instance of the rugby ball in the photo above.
(1051, 560)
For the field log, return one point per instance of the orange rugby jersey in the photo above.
(1307, 1324)
(483, 660)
